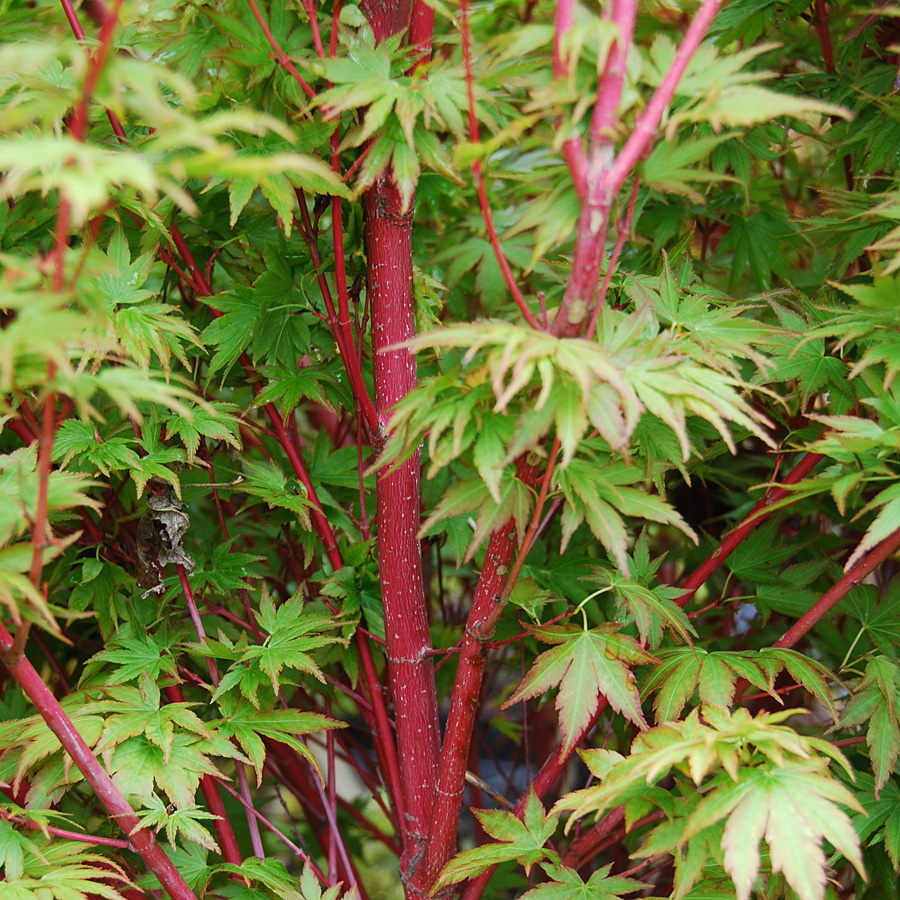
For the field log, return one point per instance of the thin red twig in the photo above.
(279, 53)
(484, 204)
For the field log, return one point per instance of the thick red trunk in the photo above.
(410, 667)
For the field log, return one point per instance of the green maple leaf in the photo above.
(567, 884)
(794, 807)
(278, 882)
(132, 711)
(521, 840)
(880, 817)
(63, 870)
(249, 726)
(586, 666)
(216, 421)
(762, 777)
(140, 767)
(881, 621)
(134, 657)
(293, 632)
(685, 669)
(875, 701)
(651, 608)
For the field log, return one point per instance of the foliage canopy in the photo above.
(399, 399)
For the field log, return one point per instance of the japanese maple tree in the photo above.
(449, 450)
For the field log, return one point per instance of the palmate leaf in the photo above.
(267, 481)
(473, 496)
(216, 421)
(521, 840)
(567, 884)
(131, 711)
(874, 700)
(672, 168)
(586, 666)
(794, 807)
(277, 881)
(248, 726)
(881, 620)
(64, 870)
(880, 819)
(596, 494)
(651, 608)
(140, 769)
(764, 779)
(185, 820)
(685, 669)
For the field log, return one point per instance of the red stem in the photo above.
(586, 844)
(487, 606)
(555, 765)
(483, 202)
(279, 53)
(421, 29)
(604, 173)
(410, 666)
(850, 580)
(639, 139)
(748, 524)
(39, 533)
(612, 79)
(69, 835)
(622, 232)
(339, 320)
(141, 839)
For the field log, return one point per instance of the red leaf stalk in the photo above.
(141, 839)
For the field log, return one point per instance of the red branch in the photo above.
(339, 319)
(388, 241)
(850, 580)
(410, 666)
(142, 840)
(555, 765)
(483, 202)
(754, 518)
(487, 606)
(279, 53)
(639, 139)
(604, 173)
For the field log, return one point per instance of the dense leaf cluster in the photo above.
(662, 529)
